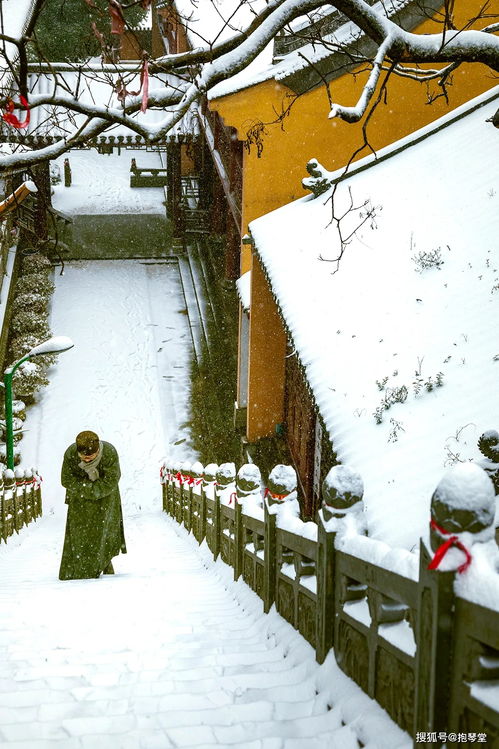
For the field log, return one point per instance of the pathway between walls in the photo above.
(168, 652)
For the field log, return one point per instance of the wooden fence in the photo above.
(20, 500)
(429, 658)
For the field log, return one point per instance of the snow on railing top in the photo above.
(460, 534)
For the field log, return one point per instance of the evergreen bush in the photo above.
(35, 263)
(27, 321)
(28, 379)
(36, 283)
(21, 344)
(30, 302)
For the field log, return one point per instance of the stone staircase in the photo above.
(169, 652)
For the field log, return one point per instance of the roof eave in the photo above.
(333, 66)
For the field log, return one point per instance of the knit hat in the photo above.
(87, 443)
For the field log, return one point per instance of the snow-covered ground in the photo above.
(169, 652)
(101, 184)
(128, 369)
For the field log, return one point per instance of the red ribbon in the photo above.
(442, 550)
(117, 18)
(233, 498)
(11, 118)
(144, 84)
(122, 91)
(279, 497)
(179, 478)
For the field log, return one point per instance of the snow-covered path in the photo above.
(127, 377)
(168, 652)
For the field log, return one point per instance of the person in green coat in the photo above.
(94, 526)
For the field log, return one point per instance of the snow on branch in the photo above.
(198, 71)
(354, 114)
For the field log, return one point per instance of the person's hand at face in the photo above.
(87, 458)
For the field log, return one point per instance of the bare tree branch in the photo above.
(198, 71)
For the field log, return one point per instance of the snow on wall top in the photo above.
(415, 303)
(96, 88)
(263, 68)
(243, 285)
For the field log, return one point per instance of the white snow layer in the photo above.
(129, 366)
(385, 323)
(169, 651)
(101, 184)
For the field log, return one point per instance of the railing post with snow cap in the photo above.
(342, 493)
(9, 488)
(170, 488)
(187, 495)
(208, 480)
(163, 478)
(195, 499)
(226, 476)
(280, 496)
(248, 484)
(37, 493)
(270, 551)
(20, 499)
(462, 515)
(29, 496)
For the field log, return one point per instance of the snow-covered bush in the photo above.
(27, 321)
(21, 344)
(30, 301)
(37, 283)
(17, 426)
(35, 263)
(28, 379)
(3, 454)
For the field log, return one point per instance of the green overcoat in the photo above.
(94, 525)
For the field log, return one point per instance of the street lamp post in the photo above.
(54, 345)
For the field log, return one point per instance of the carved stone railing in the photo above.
(429, 656)
(20, 500)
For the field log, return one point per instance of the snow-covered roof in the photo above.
(95, 87)
(308, 56)
(410, 317)
(16, 15)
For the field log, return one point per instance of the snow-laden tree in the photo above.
(171, 84)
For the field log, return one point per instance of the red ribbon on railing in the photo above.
(180, 478)
(279, 497)
(10, 118)
(442, 550)
(233, 498)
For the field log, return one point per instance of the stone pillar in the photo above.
(462, 514)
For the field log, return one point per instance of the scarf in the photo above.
(91, 468)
